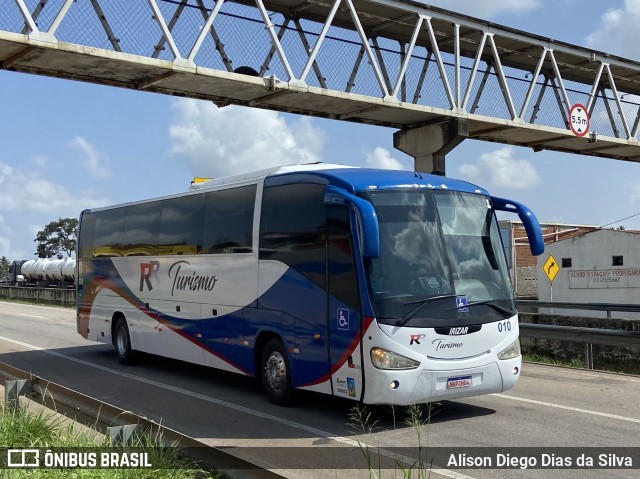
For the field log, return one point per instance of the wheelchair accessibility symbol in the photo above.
(343, 318)
(461, 304)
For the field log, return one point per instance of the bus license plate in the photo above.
(463, 382)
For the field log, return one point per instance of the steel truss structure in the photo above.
(396, 63)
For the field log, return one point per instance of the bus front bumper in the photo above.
(424, 385)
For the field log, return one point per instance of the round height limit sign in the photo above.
(579, 120)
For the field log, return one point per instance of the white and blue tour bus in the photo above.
(387, 287)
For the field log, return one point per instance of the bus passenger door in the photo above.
(344, 316)
(292, 280)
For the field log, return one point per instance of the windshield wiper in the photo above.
(421, 302)
(489, 302)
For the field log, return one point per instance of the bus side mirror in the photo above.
(368, 229)
(529, 220)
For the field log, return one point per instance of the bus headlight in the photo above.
(512, 351)
(383, 359)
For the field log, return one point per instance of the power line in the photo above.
(614, 222)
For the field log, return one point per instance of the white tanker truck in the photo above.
(49, 270)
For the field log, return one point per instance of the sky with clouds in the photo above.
(66, 146)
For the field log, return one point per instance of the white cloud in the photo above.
(487, 8)
(5, 241)
(39, 160)
(94, 161)
(25, 191)
(500, 168)
(30, 198)
(222, 141)
(5, 247)
(4, 227)
(618, 32)
(381, 158)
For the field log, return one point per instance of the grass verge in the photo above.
(542, 359)
(617, 365)
(23, 428)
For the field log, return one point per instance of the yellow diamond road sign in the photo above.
(551, 268)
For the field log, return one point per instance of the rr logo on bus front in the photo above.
(147, 272)
(415, 338)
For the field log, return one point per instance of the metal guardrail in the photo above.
(98, 414)
(588, 336)
(607, 307)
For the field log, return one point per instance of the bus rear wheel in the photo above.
(276, 374)
(122, 342)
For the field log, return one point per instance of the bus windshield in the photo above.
(441, 260)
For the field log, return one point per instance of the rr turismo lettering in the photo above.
(442, 344)
(190, 281)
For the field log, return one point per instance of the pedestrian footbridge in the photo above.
(435, 75)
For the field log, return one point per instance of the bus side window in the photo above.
(292, 227)
(142, 227)
(229, 220)
(109, 233)
(343, 281)
(85, 243)
(181, 230)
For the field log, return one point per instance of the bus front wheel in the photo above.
(122, 342)
(276, 374)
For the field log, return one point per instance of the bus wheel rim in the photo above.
(276, 371)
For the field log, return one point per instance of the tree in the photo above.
(60, 236)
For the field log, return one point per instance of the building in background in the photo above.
(523, 266)
(601, 266)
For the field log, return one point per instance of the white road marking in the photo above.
(577, 372)
(236, 407)
(30, 315)
(569, 408)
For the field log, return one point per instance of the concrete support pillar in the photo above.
(429, 144)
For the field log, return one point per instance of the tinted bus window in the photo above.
(108, 233)
(228, 226)
(142, 229)
(181, 225)
(85, 243)
(343, 283)
(292, 228)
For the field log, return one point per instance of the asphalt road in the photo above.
(550, 408)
